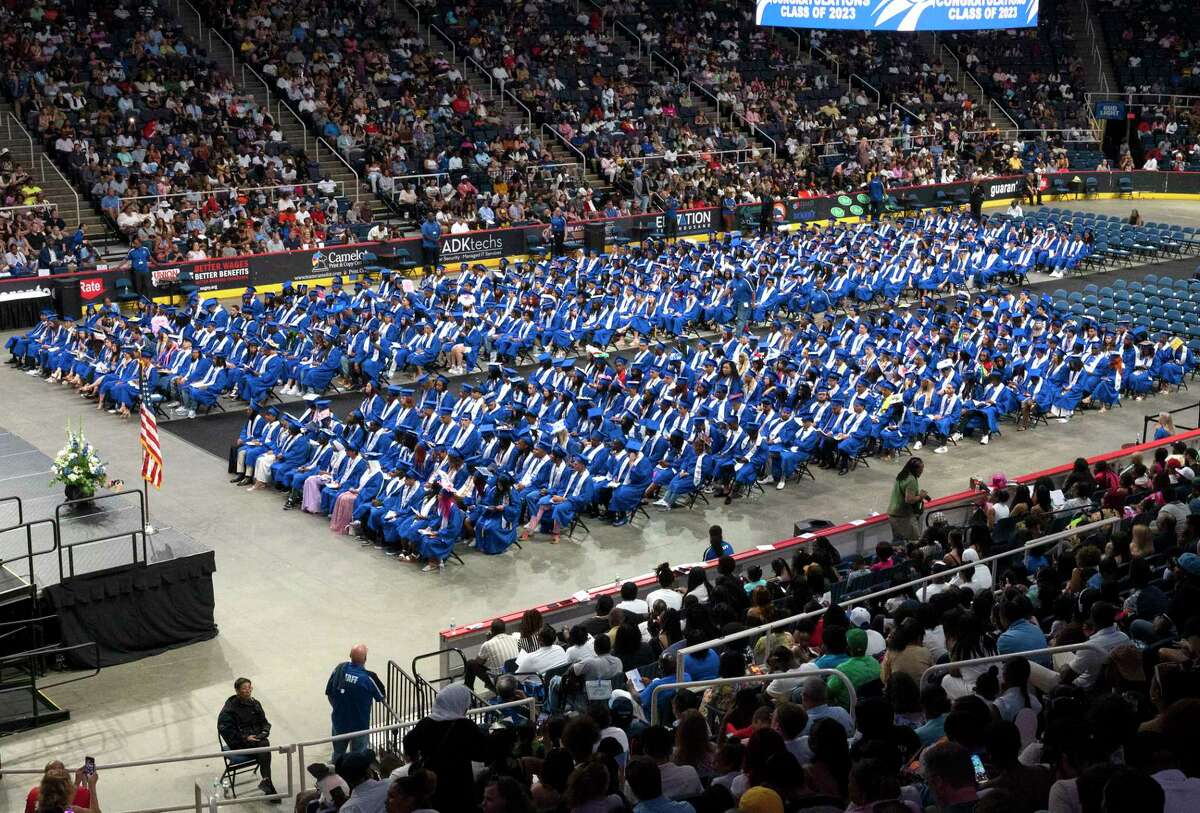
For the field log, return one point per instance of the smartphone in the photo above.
(89, 766)
(980, 772)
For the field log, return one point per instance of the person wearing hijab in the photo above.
(446, 742)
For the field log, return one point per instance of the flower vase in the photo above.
(83, 495)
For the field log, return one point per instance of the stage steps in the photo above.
(24, 707)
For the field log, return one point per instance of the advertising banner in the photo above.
(899, 15)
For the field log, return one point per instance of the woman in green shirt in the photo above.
(908, 501)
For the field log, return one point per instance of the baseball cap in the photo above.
(760, 800)
(860, 616)
(1190, 563)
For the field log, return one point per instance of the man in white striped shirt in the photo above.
(499, 648)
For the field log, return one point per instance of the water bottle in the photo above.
(217, 791)
(226, 787)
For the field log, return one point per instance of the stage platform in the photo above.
(25, 476)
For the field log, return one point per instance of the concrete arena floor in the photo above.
(292, 598)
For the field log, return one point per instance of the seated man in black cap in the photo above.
(242, 723)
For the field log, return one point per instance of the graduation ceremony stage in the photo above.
(105, 588)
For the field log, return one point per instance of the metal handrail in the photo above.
(528, 113)
(662, 57)
(767, 678)
(568, 144)
(263, 82)
(450, 42)
(226, 189)
(850, 84)
(948, 572)
(486, 73)
(1027, 654)
(70, 186)
(53, 649)
(8, 120)
(345, 163)
(396, 728)
(837, 64)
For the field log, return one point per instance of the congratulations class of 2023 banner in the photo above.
(899, 15)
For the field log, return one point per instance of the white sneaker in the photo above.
(956, 437)
(191, 413)
(1064, 420)
(171, 404)
(983, 441)
(429, 568)
(34, 371)
(940, 450)
(916, 447)
(661, 503)
(779, 486)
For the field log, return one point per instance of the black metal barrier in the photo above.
(31, 554)
(1153, 419)
(20, 509)
(67, 570)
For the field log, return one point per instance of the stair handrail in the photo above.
(8, 120)
(984, 98)
(850, 86)
(336, 154)
(49, 650)
(469, 62)
(837, 63)
(567, 143)
(663, 58)
(416, 12)
(70, 186)
(279, 105)
(528, 113)
(453, 48)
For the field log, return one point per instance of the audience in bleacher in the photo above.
(1028, 731)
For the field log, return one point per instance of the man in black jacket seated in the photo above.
(242, 723)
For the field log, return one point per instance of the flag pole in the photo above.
(147, 527)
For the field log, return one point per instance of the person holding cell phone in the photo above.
(56, 793)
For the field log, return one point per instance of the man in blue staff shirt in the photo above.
(139, 258)
(671, 218)
(351, 690)
(558, 231)
(431, 237)
(877, 191)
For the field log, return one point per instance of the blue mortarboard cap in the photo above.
(633, 445)
(407, 392)
(322, 403)
(446, 410)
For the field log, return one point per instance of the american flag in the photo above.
(152, 464)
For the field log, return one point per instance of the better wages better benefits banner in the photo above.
(899, 15)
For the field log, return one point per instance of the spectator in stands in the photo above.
(445, 743)
(951, 777)
(351, 690)
(645, 781)
(242, 723)
(500, 647)
(549, 655)
(1103, 638)
(677, 781)
(368, 793)
(57, 793)
(78, 795)
(859, 668)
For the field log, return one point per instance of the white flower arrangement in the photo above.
(77, 464)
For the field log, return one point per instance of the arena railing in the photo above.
(293, 753)
(277, 189)
(9, 120)
(738, 681)
(1028, 654)
(989, 561)
(849, 538)
(396, 731)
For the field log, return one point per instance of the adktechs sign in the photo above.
(469, 247)
(91, 288)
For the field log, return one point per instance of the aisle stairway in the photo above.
(74, 207)
(295, 132)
